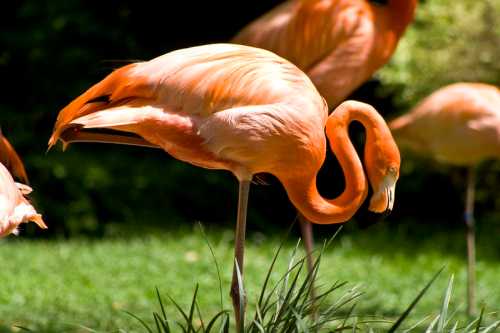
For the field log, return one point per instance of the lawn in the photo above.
(54, 286)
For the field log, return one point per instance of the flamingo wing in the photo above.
(188, 101)
(348, 65)
(332, 41)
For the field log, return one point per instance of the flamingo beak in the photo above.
(382, 200)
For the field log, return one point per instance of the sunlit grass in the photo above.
(53, 286)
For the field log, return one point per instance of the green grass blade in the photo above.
(258, 319)
(271, 267)
(216, 265)
(157, 322)
(348, 315)
(166, 327)
(241, 295)
(480, 320)
(192, 309)
(417, 324)
(471, 324)
(83, 327)
(300, 323)
(162, 307)
(161, 325)
(184, 315)
(331, 239)
(202, 326)
(288, 296)
(432, 324)
(444, 308)
(287, 275)
(412, 305)
(454, 328)
(184, 330)
(212, 322)
(354, 325)
(225, 325)
(259, 327)
(22, 328)
(492, 327)
(142, 322)
(266, 306)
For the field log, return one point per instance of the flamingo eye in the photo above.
(393, 170)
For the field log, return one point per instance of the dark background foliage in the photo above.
(51, 51)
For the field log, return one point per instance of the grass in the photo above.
(54, 286)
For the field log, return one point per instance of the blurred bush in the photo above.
(449, 41)
(52, 51)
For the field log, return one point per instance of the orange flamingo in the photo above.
(241, 109)
(338, 43)
(14, 207)
(459, 125)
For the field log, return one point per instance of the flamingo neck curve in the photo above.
(303, 191)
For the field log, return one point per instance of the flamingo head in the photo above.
(382, 161)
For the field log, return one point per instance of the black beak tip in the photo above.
(386, 213)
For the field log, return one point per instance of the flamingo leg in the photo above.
(308, 239)
(239, 300)
(471, 246)
(306, 231)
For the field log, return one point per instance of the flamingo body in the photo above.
(245, 110)
(338, 43)
(229, 107)
(458, 124)
(223, 107)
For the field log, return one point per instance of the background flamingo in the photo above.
(241, 109)
(338, 43)
(14, 207)
(458, 125)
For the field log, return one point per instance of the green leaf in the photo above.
(444, 307)
(415, 301)
(143, 323)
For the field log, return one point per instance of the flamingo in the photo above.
(14, 207)
(458, 125)
(245, 110)
(338, 43)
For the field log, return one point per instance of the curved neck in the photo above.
(303, 191)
